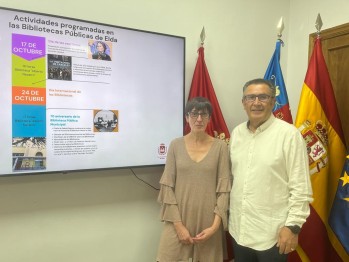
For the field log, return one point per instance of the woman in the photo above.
(194, 192)
(101, 52)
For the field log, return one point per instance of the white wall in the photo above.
(110, 215)
(94, 217)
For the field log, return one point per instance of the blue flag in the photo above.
(274, 74)
(339, 217)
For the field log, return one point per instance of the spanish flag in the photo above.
(318, 120)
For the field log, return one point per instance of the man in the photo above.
(269, 200)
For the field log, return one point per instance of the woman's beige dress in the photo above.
(193, 192)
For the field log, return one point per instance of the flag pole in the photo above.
(318, 25)
(202, 36)
(280, 27)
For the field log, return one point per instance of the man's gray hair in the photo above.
(258, 81)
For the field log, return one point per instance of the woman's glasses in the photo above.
(195, 115)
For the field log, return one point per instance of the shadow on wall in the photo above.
(57, 190)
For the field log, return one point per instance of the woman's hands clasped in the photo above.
(184, 235)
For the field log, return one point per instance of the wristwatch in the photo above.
(294, 229)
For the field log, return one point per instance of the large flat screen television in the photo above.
(81, 95)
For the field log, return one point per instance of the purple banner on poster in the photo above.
(28, 47)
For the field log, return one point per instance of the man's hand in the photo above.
(287, 241)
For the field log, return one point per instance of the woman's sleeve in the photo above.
(169, 208)
(223, 185)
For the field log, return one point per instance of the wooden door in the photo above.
(335, 47)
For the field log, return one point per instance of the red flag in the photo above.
(318, 120)
(201, 85)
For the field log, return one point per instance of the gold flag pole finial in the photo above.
(202, 36)
(280, 27)
(318, 24)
